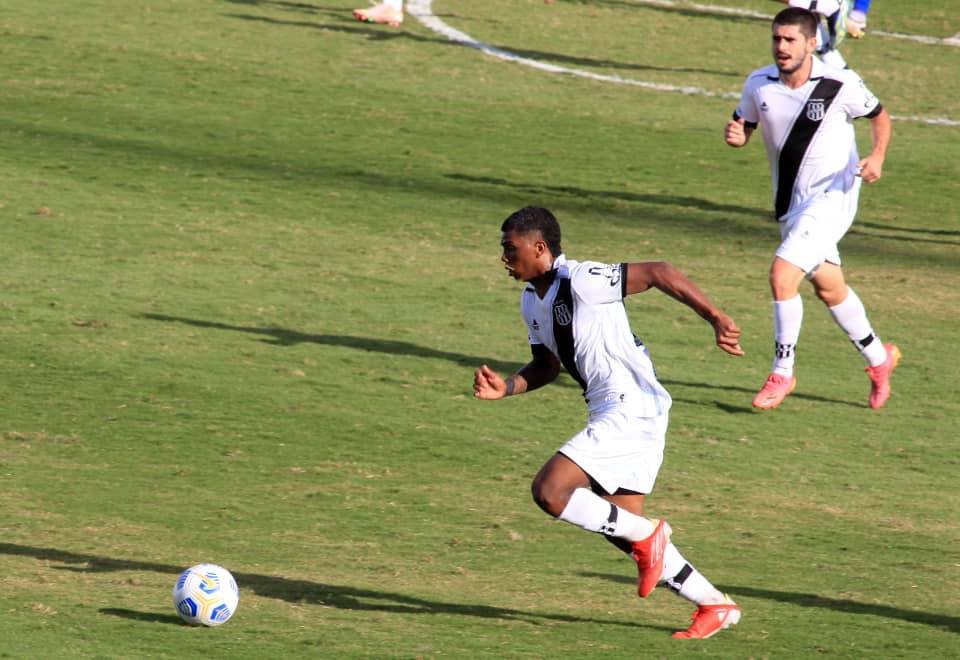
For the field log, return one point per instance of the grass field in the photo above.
(250, 262)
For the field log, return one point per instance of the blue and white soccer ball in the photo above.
(206, 595)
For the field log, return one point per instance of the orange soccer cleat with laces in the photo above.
(708, 620)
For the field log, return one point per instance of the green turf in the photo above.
(250, 261)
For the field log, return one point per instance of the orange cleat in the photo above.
(379, 14)
(880, 377)
(774, 391)
(708, 620)
(648, 553)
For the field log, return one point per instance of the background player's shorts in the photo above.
(619, 450)
(810, 236)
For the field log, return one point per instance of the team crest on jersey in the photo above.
(561, 314)
(816, 109)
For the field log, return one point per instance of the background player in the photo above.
(575, 317)
(857, 18)
(806, 111)
(388, 12)
(831, 27)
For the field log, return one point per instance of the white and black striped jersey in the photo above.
(582, 320)
(808, 131)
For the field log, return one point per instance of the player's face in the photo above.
(791, 48)
(523, 255)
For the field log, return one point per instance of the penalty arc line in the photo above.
(747, 13)
(422, 10)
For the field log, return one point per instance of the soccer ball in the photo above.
(206, 594)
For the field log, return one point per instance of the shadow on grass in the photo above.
(622, 195)
(303, 591)
(669, 383)
(701, 11)
(285, 337)
(950, 623)
(149, 617)
(909, 230)
(347, 24)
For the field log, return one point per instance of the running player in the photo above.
(806, 111)
(576, 318)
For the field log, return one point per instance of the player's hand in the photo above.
(487, 384)
(728, 334)
(734, 134)
(870, 168)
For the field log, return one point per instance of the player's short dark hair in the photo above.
(805, 19)
(535, 219)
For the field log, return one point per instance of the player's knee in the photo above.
(550, 499)
(831, 297)
(782, 290)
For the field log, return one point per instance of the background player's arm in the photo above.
(541, 370)
(871, 167)
(666, 278)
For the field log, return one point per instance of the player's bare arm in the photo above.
(736, 134)
(871, 167)
(666, 278)
(541, 370)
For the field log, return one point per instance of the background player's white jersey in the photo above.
(583, 321)
(808, 131)
(822, 7)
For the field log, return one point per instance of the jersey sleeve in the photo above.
(856, 99)
(747, 109)
(533, 329)
(596, 283)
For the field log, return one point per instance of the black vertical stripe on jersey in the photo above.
(563, 334)
(796, 145)
(624, 267)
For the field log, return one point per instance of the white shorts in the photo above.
(620, 450)
(810, 236)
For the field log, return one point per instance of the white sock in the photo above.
(852, 317)
(394, 4)
(787, 319)
(684, 580)
(595, 514)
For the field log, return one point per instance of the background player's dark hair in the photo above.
(535, 219)
(804, 19)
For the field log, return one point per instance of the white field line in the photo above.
(732, 11)
(422, 10)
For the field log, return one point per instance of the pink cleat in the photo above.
(708, 620)
(774, 391)
(648, 553)
(381, 13)
(880, 377)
